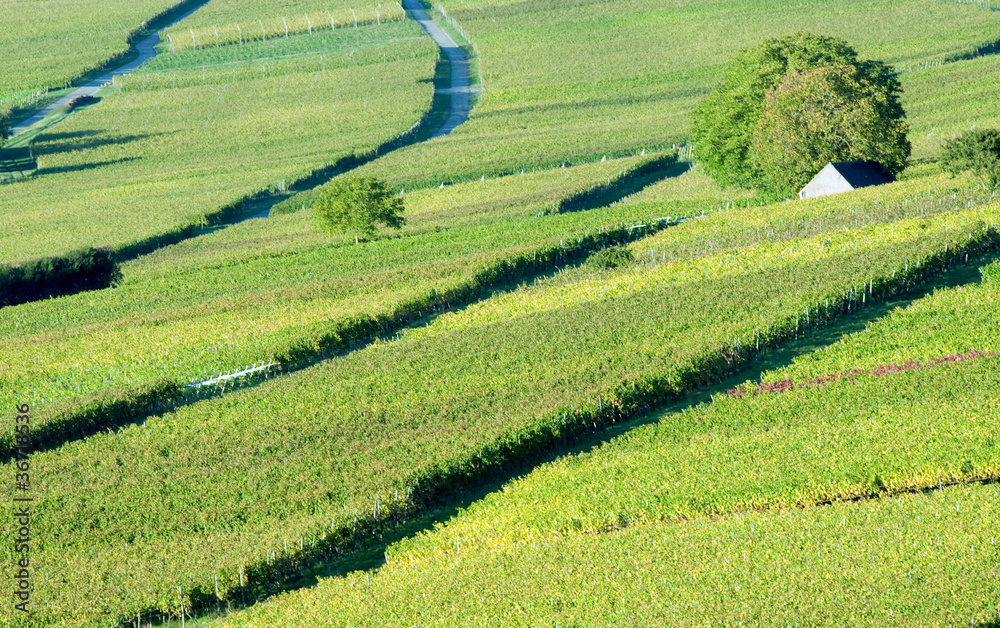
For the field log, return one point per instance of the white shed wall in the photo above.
(828, 181)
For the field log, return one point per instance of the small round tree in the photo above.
(725, 125)
(355, 206)
(977, 150)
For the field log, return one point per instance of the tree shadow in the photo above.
(72, 135)
(83, 167)
(16, 162)
(985, 50)
(45, 144)
(625, 185)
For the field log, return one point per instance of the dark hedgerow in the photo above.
(84, 269)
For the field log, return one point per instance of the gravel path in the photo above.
(146, 52)
(461, 101)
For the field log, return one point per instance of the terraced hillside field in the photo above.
(484, 387)
(45, 44)
(766, 506)
(168, 147)
(275, 289)
(583, 384)
(578, 80)
(236, 21)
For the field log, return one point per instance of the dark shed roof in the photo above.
(862, 173)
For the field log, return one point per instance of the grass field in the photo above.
(165, 149)
(46, 44)
(578, 81)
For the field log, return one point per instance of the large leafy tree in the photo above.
(977, 150)
(725, 123)
(356, 206)
(833, 113)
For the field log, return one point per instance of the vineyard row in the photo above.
(554, 433)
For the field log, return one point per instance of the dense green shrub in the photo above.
(356, 205)
(977, 150)
(612, 257)
(833, 113)
(84, 269)
(991, 272)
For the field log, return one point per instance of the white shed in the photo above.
(843, 176)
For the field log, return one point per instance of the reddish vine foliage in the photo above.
(879, 371)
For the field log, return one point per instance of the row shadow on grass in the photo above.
(368, 552)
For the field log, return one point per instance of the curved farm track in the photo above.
(459, 92)
(146, 49)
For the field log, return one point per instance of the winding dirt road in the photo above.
(461, 100)
(147, 51)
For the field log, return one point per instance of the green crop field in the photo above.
(943, 323)
(475, 381)
(182, 313)
(772, 450)
(167, 148)
(45, 44)
(583, 384)
(690, 489)
(604, 78)
(224, 22)
(945, 100)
